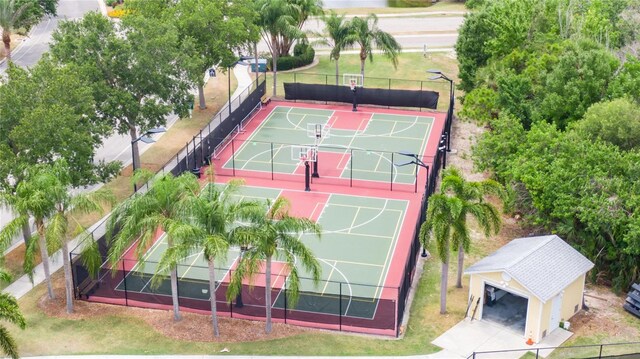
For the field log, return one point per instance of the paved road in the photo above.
(32, 48)
(411, 31)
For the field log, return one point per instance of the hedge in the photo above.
(303, 55)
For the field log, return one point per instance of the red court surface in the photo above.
(312, 204)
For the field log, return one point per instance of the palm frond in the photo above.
(8, 344)
(91, 257)
(10, 311)
(29, 264)
(10, 230)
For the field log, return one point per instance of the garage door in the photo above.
(504, 307)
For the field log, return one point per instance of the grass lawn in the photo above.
(377, 73)
(122, 334)
(153, 159)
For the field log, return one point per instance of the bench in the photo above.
(264, 100)
(87, 287)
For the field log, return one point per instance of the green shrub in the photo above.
(305, 57)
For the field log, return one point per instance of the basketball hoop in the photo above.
(306, 155)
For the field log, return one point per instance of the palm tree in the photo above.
(140, 216)
(303, 10)
(271, 228)
(34, 197)
(10, 312)
(338, 35)
(447, 220)
(212, 216)
(473, 196)
(59, 230)
(370, 37)
(9, 20)
(277, 20)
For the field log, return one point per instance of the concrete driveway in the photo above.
(468, 337)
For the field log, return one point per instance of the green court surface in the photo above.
(359, 235)
(359, 145)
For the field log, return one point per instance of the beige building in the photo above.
(530, 285)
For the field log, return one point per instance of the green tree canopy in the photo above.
(47, 115)
(135, 69)
(215, 30)
(616, 122)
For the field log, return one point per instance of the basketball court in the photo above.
(365, 147)
(349, 223)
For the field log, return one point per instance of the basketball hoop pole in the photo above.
(315, 169)
(355, 98)
(307, 177)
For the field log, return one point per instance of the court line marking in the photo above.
(333, 268)
(395, 244)
(346, 281)
(384, 267)
(266, 119)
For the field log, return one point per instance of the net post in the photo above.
(272, 161)
(351, 169)
(124, 280)
(391, 181)
(340, 308)
(233, 157)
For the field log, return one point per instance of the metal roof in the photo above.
(544, 265)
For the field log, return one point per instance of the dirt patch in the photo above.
(192, 327)
(605, 316)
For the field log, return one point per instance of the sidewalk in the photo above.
(23, 285)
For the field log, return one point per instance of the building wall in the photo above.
(572, 296)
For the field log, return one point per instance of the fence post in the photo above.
(340, 308)
(186, 156)
(124, 280)
(73, 276)
(195, 155)
(600, 354)
(201, 150)
(285, 302)
(537, 353)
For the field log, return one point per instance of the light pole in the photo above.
(146, 139)
(417, 162)
(440, 75)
